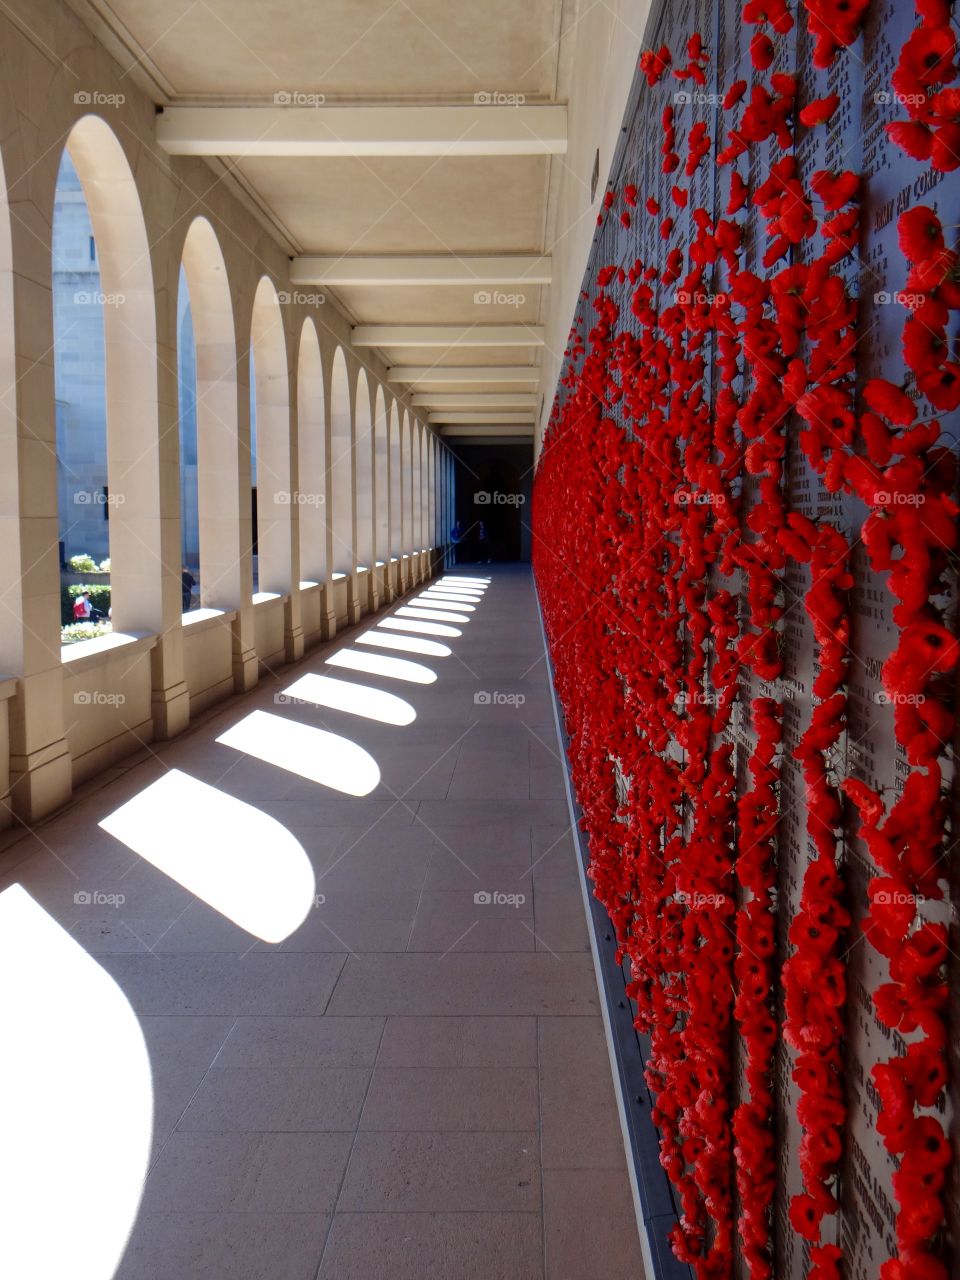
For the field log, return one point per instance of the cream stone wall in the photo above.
(62, 721)
(599, 54)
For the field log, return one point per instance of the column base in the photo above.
(171, 710)
(40, 782)
(293, 643)
(354, 604)
(246, 670)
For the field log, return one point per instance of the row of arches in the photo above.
(329, 474)
(307, 469)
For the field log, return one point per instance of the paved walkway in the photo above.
(375, 1048)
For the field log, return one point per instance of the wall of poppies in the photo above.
(745, 520)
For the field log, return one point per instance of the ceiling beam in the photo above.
(445, 375)
(448, 335)
(479, 400)
(488, 419)
(488, 435)
(450, 268)
(286, 129)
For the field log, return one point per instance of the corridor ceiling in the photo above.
(402, 151)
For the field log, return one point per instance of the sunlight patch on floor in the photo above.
(77, 1102)
(234, 857)
(343, 695)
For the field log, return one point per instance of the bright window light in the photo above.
(77, 1102)
(437, 615)
(420, 628)
(407, 644)
(358, 699)
(327, 758)
(236, 858)
(378, 664)
(469, 580)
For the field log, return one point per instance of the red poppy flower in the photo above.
(911, 136)
(890, 402)
(920, 234)
(734, 94)
(654, 64)
(820, 111)
(925, 338)
(941, 386)
(835, 189)
(945, 148)
(774, 12)
(762, 51)
(927, 57)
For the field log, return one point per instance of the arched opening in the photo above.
(425, 531)
(11, 634)
(218, 453)
(131, 495)
(364, 466)
(341, 468)
(187, 418)
(80, 380)
(406, 484)
(312, 443)
(416, 469)
(396, 489)
(270, 442)
(381, 481)
(432, 536)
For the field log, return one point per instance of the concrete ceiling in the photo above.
(403, 182)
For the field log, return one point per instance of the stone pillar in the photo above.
(40, 765)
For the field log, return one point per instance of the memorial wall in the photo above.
(745, 542)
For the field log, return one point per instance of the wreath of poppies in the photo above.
(669, 563)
